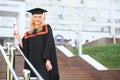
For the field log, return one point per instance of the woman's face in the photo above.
(37, 19)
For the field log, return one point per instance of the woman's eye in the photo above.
(40, 16)
(35, 16)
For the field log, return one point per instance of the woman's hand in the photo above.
(17, 36)
(48, 65)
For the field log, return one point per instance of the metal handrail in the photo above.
(31, 66)
(12, 60)
(8, 63)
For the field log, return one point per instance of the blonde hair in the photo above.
(32, 25)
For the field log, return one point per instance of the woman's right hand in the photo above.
(16, 35)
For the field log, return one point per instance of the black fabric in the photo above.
(35, 31)
(39, 48)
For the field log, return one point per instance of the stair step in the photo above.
(77, 79)
(32, 78)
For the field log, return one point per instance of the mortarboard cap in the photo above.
(37, 11)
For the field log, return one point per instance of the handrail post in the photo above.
(26, 74)
(8, 74)
(8, 47)
(12, 60)
(8, 70)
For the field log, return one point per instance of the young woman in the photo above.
(38, 46)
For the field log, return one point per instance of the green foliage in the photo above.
(74, 51)
(108, 55)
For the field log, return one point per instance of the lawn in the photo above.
(108, 55)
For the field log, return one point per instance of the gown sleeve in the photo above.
(24, 49)
(49, 44)
(50, 53)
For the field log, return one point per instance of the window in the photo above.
(82, 1)
(66, 11)
(15, 0)
(105, 29)
(76, 12)
(60, 11)
(62, 26)
(117, 31)
(60, 16)
(58, 0)
(7, 21)
(81, 12)
(75, 27)
(90, 28)
(92, 13)
(27, 24)
(117, 14)
(105, 14)
(49, 8)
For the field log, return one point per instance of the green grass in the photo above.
(108, 55)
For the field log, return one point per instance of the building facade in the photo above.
(72, 21)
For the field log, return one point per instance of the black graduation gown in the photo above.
(37, 48)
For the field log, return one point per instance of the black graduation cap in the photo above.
(37, 11)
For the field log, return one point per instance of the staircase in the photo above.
(67, 68)
(69, 71)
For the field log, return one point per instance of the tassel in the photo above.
(44, 16)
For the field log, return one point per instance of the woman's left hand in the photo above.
(48, 65)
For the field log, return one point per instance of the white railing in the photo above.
(8, 63)
(10, 60)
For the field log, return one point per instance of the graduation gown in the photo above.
(38, 47)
